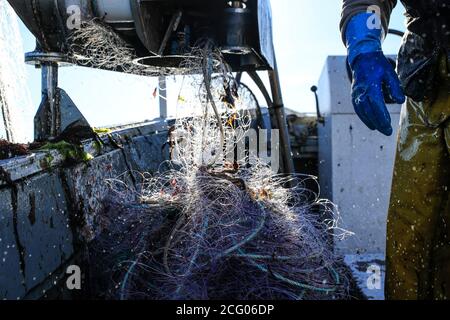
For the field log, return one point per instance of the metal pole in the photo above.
(278, 119)
(162, 83)
(162, 90)
(49, 88)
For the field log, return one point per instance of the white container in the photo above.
(355, 163)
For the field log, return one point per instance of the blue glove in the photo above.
(372, 74)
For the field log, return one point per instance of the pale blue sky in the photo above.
(305, 33)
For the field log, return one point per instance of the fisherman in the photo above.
(418, 232)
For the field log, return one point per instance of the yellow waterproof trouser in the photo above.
(418, 232)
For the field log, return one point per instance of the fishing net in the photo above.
(213, 223)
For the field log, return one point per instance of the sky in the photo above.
(305, 33)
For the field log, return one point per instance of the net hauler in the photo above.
(159, 29)
(162, 33)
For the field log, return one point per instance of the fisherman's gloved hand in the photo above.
(373, 74)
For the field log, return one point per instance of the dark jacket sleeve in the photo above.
(351, 8)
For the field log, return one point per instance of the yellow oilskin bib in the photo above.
(418, 232)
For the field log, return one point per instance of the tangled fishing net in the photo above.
(213, 223)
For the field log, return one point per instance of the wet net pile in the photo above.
(214, 223)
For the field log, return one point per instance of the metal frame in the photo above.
(57, 112)
(277, 115)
